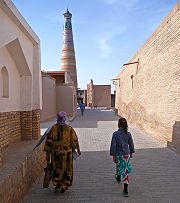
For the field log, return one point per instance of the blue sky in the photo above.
(107, 33)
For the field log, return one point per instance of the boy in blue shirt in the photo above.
(82, 107)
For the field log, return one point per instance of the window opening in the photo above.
(5, 82)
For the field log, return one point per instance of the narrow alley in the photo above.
(156, 176)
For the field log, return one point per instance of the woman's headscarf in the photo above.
(61, 117)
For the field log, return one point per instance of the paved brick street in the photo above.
(156, 177)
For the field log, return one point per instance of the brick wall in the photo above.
(102, 95)
(16, 184)
(0, 157)
(35, 124)
(26, 125)
(98, 95)
(10, 129)
(90, 94)
(148, 94)
(30, 124)
(16, 126)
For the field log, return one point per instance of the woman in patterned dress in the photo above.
(60, 143)
(122, 147)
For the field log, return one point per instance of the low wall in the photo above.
(18, 125)
(17, 178)
(10, 128)
(48, 97)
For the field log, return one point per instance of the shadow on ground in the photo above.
(91, 118)
(156, 178)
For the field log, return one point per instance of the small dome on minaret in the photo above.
(67, 13)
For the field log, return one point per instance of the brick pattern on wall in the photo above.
(16, 126)
(98, 95)
(153, 103)
(20, 179)
(36, 123)
(102, 96)
(30, 124)
(10, 130)
(0, 157)
(26, 125)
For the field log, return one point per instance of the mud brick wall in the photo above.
(10, 129)
(147, 94)
(102, 95)
(16, 126)
(30, 124)
(20, 179)
(35, 124)
(26, 125)
(0, 157)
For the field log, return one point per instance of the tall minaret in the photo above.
(68, 61)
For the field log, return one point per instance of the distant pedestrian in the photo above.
(122, 147)
(82, 107)
(60, 146)
(90, 105)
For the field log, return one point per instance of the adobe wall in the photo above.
(66, 99)
(8, 134)
(152, 102)
(90, 94)
(102, 95)
(48, 97)
(18, 176)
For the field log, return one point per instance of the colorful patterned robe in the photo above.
(60, 142)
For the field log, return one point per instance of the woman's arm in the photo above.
(74, 141)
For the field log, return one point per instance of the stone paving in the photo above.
(156, 176)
